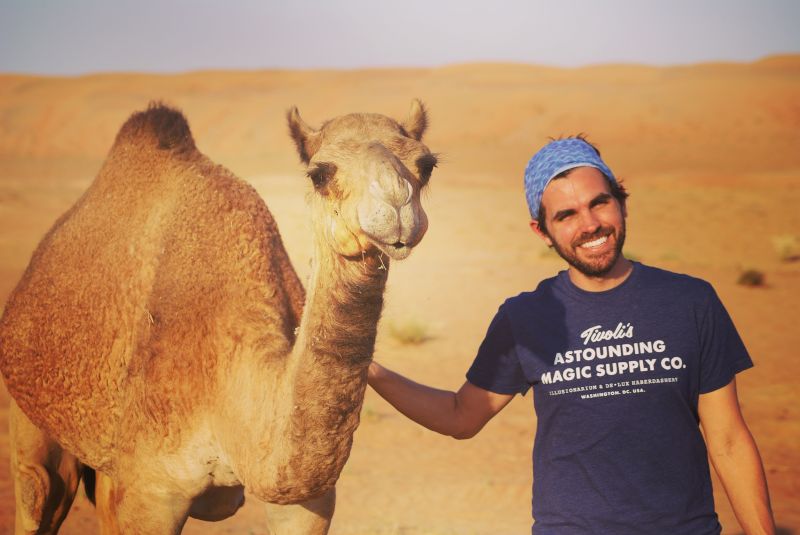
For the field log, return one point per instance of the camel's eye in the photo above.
(321, 173)
(425, 165)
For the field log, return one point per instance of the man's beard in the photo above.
(597, 267)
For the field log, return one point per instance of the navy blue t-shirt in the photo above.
(616, 378)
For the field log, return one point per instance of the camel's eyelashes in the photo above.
(321, 173)
(425, 165)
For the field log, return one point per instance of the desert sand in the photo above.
(710, 154)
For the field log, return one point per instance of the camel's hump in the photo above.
(159, 124)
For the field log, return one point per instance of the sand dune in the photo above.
(710, 154)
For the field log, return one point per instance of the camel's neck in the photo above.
(341, 314)
(326, 374)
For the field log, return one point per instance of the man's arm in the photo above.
(457, 414)
(735, 457)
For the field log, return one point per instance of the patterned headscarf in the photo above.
(554, 158)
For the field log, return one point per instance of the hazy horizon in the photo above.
(90, 36)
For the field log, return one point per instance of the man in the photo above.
(625, 361)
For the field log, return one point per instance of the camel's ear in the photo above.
(417, 121)
(306, 138)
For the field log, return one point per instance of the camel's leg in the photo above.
(105, 504)
(141, 507)
(309, 518)
(45, 476)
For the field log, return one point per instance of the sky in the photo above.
(72, 37)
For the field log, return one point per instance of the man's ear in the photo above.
(542, 233)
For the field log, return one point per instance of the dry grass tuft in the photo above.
(787, 246)
(369, 413)
(410, 332)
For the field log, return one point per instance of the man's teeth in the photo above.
(596, 243)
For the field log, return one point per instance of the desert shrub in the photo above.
(751, 277)
(787, 246)
(370, 414)
(410, 332)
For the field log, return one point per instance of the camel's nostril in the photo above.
(398, 245)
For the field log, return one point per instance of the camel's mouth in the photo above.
(396, 251)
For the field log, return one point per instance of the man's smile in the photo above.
(594, 243)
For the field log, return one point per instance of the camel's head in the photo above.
(367, 171)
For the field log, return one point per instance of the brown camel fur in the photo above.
(161, 336)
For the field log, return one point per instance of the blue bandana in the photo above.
(554, 158)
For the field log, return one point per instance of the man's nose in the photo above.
(589, 222)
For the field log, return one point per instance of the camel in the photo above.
(161, 342)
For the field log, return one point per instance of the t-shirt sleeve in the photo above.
(723, 353)
(496, 367)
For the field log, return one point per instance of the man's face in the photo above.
(585, 223)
